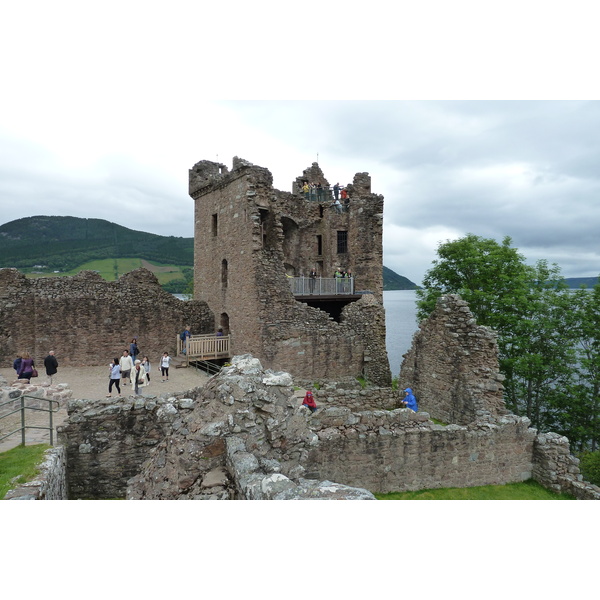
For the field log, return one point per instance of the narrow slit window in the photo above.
(342, 242)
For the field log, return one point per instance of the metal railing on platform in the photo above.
(22, 408)
(321, 286)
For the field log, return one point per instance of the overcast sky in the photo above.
(107, 105)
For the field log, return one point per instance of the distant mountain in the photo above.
(393, 281)
(577, 282)
(64, 243)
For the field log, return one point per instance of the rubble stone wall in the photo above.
(557, 470)
(453, 366)
(106, 441)
(387, 451)
(86, 319)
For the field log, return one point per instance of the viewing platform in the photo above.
(322, 286)
(204, 347)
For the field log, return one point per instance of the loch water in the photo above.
(400, 324)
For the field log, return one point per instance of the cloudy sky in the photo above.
(107, 105)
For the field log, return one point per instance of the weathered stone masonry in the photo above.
(249, 237)
(87, 319)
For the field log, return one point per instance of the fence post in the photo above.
(22, 420)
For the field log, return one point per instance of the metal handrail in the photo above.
(22, 410)
(321, 286)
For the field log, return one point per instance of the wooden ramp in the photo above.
(204, 347)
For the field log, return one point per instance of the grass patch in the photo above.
(19, 465)
(111, 269)
(527, 490)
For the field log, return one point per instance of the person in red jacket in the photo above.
(309, 401)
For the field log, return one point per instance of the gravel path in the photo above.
(89, 383)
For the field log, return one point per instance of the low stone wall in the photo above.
(50, 484)
(358, 399)
(388, 451)
(37, 394)
(557, 470)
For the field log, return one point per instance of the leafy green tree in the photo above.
(590, 466)
(581, 421)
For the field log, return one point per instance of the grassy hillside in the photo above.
(393, 281)
(65, 243)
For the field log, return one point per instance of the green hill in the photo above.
(393, 281)
(64, 243)
(576, 282)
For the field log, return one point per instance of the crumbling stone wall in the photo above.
(453, 365)
(244, 436)
(557, 470)
(249, 237)
(107, 441)
(87, 320)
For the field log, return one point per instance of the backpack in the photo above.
(182, 336)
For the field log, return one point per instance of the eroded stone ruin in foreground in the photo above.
(244, 434)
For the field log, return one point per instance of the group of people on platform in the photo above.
(320, 193)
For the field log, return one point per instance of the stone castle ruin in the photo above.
(253, 243)
(244, 434)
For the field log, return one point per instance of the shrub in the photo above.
(590, 466)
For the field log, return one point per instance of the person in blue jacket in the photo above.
(409, 400)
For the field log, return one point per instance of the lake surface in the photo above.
(400, 324)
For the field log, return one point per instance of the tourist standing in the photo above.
(17, 363)
(165, 362)
(27, 366)
(126, 365)
(311, 281)
(114, 374)
(133, 349)
(336, 191)
(146, 365)
(138, 377)
(185, 336)
(51, 365)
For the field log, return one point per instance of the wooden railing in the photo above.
(204, 347)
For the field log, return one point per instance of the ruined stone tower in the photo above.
(254, 249)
